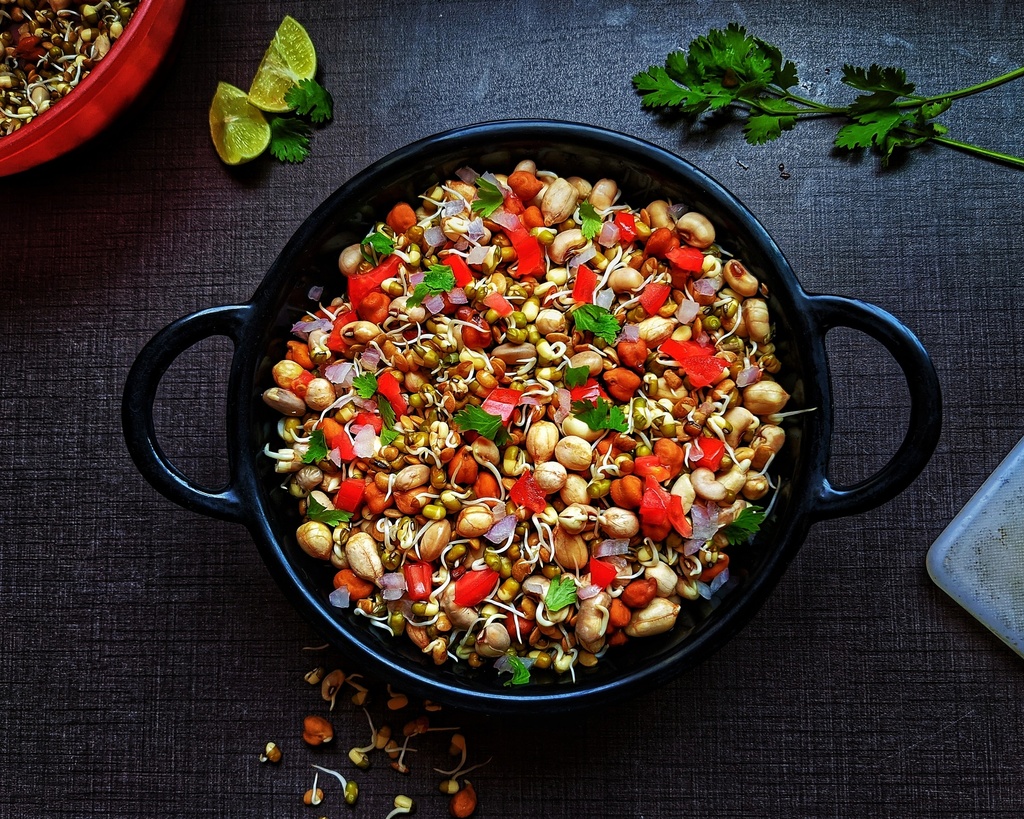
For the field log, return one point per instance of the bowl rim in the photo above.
(119, 78)
(554, 698)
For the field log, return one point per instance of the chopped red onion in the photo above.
(584, 256)
(467, 175)
(370, 358)
(340, 372)
(490, 177)
(705, 520)
(364, 442)
(434, 236)
(477, 255)
(564, 405)
(604, 299)
(687, 311)
(304, 328)
(500, 531)
(453, 206)
(417, 278)
(365, 404)
(392, 594)
(703, 589)
(435, 304)
(334, 456)
(340, 598)
(719, 580)
(748, 376)
(631, 332)
(609, 235)
(530, 400)
(691, 547)
(606, 548)
(463, 244)
(504, 663)
(393, 580)
(588, 591)
(315, 292)
(507, 220)
(676, 210)
(618, 561)
(695, 451)
(475, 231)
(703, 339)
(458, 296)
(706, 286)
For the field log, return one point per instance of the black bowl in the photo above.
(644, 172)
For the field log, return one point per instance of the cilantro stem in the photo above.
(913, 102)
(987, 153)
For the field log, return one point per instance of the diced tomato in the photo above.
(525, 492)
(588, 392)
(387, 385)
(602, 573)
(418, 580)
(528, 252)
(463, 275)
(654, 296)
(335, 342)
(473, 587)
(654, 503)
(713, 449)
(627, 226)
(350, 494)
(365, 418)
(300, 383)
(513, 204)
(502, 402)
(343, 443)
(586, 283)
(651, 466)
(697, 361)
(362, 284)
(677, 518)
(499, 304)
(686, 259)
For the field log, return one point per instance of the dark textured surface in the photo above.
(146, 655)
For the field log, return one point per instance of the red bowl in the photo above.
(105, 93)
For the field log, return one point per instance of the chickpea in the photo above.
(574, 453)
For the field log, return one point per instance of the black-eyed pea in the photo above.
(658, 215)
(740, 422)
(740, 279)
(564, 242)
(625, 279)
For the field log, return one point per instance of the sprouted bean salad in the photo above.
(47, 47)
(533, 423)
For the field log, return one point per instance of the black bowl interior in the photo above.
(644, 173)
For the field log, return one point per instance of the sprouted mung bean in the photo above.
(49, 47)
(534, 424)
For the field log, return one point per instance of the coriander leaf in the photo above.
(380, 243)
(365, 384)
(866, 103)
(317, 450)
(576, 376)
(869, 129)
(658, 89)
(746, 524)
(387, 412)
(561, 593)
(478, 419)
(310, 99)
(289, 139)
(437, 280)
(600, 415)
(930, 110)
(597, 320)
(762, 128)
(591, 221)
(388, 437)
(520, 673)
(489, 198)
(877, 78)
(783, 73)
(332, 517)
(418, 295)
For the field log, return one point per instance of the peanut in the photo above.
(639, 593)
(621, 383)
(657, 617)
(559, 201)
(363, 557)
(627, 492)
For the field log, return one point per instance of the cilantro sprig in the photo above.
(365, 384)
(520, 673)
(590, 221)
(289, 139)
(479, 420)
(332, 517)
(317, 449)
(438, 279)
(597, 320)
(310, 99)
(561, 593)
(379, 243)
(488, 198)
(576, 376)
(729, 68)
(745, 526)
(600, 414)
(290, 135)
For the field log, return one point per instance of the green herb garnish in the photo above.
(590, 220)
(576, 376)
(600, 415)
(488, 198)
(332, 517)
(597, 320)
(388, 436)
(380, 243)
(746, 524)
(387, 412)
(520, 673)
(310, 99)
(289, 139)
(437, 280)
(365, 385)
(561, 593)
(317, 448)
(475, 418)
(730, 68)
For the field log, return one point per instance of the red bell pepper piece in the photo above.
(586, 283)
(697, 361)
(651, 465)
(343, 443)
(362, 284)
(654, 503)
(513, 204)
(503, 402)
(350, 494)
(677, 518)
(418, 580)
(588, 392)
(364, 418)
(712, 450)
(686, 259)
(387, 385)
(463, 275)
(528, 252)
(335, 343)
(601, 573)
(654, 296)
(525, 492)
(473, 587)
(627, 226)
(499, 304)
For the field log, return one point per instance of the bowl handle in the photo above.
(925, 406)
(137, 411)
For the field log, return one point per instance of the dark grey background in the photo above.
(146, 653)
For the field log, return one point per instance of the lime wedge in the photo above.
(289, 59)
(239, 130)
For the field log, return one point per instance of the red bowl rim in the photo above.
(108, 90)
